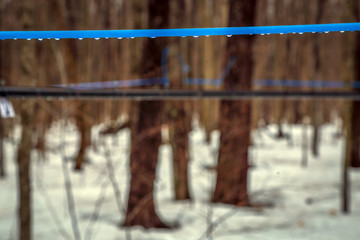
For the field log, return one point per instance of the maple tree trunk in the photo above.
(280, 129)
(352, 114)
(27, 62)
(84, 128)
(315, 139)
(144, 155)
(350, 118)
(178, 112)
(232, 169)
(317, 109)
(355, 138)
(72, 54)
(210, 67)
(355, 113)
(146, 130)
(24, 182)
(346, 183)
(2, 165)
(180, 146)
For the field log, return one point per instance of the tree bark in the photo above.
(317, 109)
(355, 113)
(210, 67)
(346, 183)
(23, 160)
(180, 128)
(74, 20)
(27, 68)
(178, 112)
(146, 130)
(316, 133)
(2, 164)
(355, 135)
(281, 56)
(232, 169)
(84, 128)
(352, 117)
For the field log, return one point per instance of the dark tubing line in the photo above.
(160, 94)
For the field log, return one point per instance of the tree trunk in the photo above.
(24, 171)
(209, 68)
(232, 169)
(143, 160)
(352, 117)
(126, 47)
(355, 132)
(280, 129)
(355, 113)
(317, 109)
(346, 184)
(350, 111)
(27, 63)
(146, 130)
(281, 64)
(72, 55)
(181, 122)
(84, 128)
(2, 165)
(178, 112)
(315, 139)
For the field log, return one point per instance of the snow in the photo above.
(292, 202)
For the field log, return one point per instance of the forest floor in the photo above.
(290, 201)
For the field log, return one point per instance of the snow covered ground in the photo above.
(293, 202)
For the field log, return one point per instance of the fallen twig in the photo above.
(51, 209)
(69, 194)
(96, 212)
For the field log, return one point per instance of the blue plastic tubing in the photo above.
(181, 32)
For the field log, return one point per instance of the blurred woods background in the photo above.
(305, 57)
